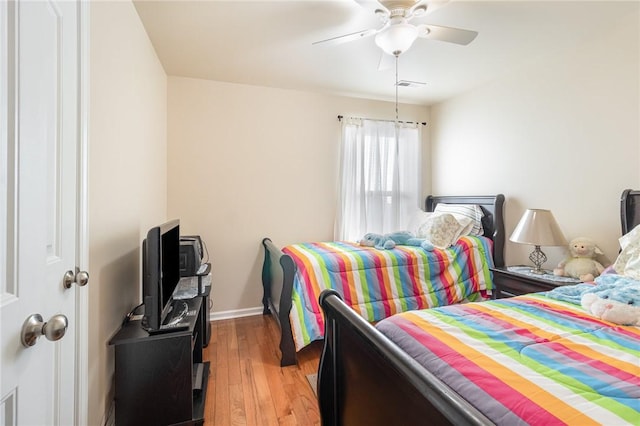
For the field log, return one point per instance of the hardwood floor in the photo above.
(247, 386)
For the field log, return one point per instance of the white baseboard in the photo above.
(237, 313)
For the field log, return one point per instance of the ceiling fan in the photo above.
(397, 34)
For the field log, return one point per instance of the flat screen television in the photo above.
(160, 272)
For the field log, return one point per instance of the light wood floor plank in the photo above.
(247, 386)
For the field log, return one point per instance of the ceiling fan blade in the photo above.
(386, 62)
(347, 37)
(451, 35)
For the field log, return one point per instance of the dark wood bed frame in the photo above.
(629, 210)
(278, 269)
(365, 379)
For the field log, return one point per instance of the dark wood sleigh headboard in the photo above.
(629, 210)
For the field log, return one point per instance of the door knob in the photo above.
(34, 327)
(81, 278)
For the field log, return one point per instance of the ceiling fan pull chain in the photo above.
(397, 88)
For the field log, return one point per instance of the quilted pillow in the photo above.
(470, 211)
(442, 229)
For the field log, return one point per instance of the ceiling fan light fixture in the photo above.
(397, 39)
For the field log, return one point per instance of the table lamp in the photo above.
(539, 228)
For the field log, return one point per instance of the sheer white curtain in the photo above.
(380, 177)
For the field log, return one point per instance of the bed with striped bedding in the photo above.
(528, 360)
(411, 281)
(380, 283)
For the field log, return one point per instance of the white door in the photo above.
(39, 140)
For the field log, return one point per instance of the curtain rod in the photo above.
(424, 123)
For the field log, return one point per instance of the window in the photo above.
(379, 177)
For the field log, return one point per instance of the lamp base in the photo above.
(537, 257)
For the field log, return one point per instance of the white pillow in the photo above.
(628, 261)
(417, 219)
(442, 229)
(471, 211)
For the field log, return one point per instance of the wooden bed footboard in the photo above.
(365, 379)
(278, 271)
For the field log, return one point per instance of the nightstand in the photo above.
(516, 280)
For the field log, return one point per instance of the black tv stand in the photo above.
(156, 374)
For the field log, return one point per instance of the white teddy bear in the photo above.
(581, 262)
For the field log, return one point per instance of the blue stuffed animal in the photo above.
(619, 303)
(406, 238)
(378, 241)
(614, 298)
(389, 241)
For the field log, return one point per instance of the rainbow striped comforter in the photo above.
(380, 283)
(528, 359)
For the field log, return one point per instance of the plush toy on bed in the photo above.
(389, 241)
(619, 303)
(613, 298)
(581, 262)
(381, 242)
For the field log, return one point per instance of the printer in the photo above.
(191, 254)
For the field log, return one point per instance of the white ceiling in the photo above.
(269, 43)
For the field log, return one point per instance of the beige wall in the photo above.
(561, 134)
(250, 162)
(127, 177)
(237, 163)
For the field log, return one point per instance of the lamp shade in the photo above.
(538, 227)
(397, 38)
